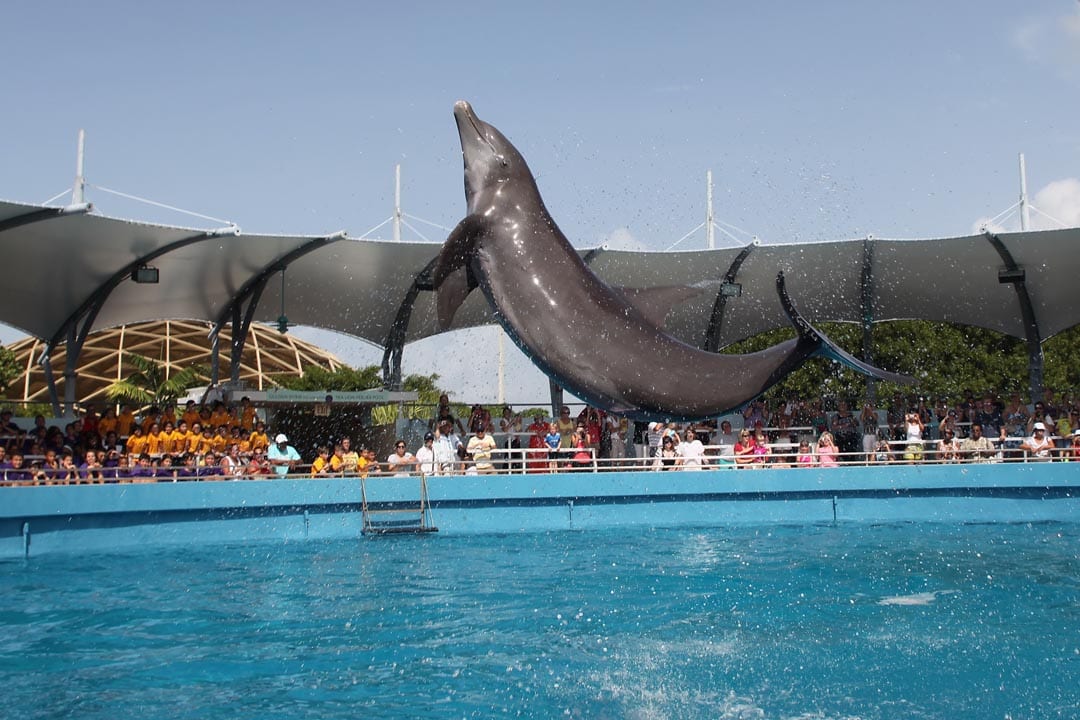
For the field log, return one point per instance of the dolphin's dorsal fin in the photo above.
(655, 303)
(452, 278)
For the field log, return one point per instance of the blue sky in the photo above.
(819, 120)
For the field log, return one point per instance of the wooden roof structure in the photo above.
(177, 344)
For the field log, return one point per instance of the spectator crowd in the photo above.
(231, 442)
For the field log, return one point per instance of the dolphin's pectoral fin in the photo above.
(448, 298)
(811, 337)
(655, 303)
(452, 279)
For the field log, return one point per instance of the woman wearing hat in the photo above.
(1037, 447)
(425, 456)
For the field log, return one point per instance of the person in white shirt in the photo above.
(726, 439)
(425, 456)
(691, 452)
(446, 447)
(480, 446)
(401, 461)
(1038, 445)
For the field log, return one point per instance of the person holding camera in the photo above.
(914, 427)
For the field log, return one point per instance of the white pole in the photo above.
(710, 233)
(77, 191)
(397, 203)
(1025, 213)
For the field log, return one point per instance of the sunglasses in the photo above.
(400, 445)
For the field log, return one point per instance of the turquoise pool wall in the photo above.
(35, 520)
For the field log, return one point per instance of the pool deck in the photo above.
(45, 519)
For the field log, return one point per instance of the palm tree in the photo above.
(151, 385)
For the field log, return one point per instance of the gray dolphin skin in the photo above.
(584, 334)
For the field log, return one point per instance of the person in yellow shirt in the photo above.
(350, 458)
(166, 438)
(152, 416)
(337, 460)
(194, 438)
(247, 415)
(236, 437)
(220, 442)
(168, 415)
(125, 421)
(221, 415)
(191, 414)
(153, 440)
(136, 442)
(178, 440)
(108, 422)
(321, 466)
(259, 439)
(205, 441)
(362, 464)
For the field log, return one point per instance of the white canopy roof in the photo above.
(65, 269)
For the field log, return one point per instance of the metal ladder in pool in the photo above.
(396, 517)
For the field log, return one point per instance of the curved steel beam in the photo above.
(592, 254)
(44, 214)
(77, 325)
(250, 292)
(866, 301)
(394, 345)
(711, 341)
(90, 307)
(1032, 333)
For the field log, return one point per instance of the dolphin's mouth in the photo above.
(463, 113)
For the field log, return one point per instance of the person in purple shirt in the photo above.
(16, 471)
(91, 470)
(187, 471)
(166, 471)
(142, 470)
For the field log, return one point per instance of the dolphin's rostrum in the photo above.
(599, 342)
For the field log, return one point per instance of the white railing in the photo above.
(521, 461)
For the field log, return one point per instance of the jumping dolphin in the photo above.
(597, 341)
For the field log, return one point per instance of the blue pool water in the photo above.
(892, 621)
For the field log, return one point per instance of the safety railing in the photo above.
(522, 461)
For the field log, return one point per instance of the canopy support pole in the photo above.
(78, 189)
(711, 342)
(710, 226)
(395, 339)
(1025, 213)
(1027, 313)
(50, 381)
(867, 306)
(250, 293)
(556, 393)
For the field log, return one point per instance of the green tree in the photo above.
(9, 369)
(151, 385)
(945, 360)
(1061, 370)
(344, 379)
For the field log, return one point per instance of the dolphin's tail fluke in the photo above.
(818, 343)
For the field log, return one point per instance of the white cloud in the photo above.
(1061, 201)
(1055, 205)
(623, 239)
(1053, 41)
